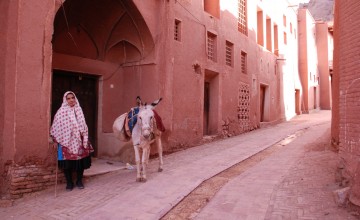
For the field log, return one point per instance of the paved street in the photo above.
(294, 183)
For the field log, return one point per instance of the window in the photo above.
(243, 62)
(244, 106)
(211, 46)
(268, 35)
(177, 30)
(242, 17)
(260, 28)
(285, 38)
(229, 53)
(276, 41)
(291, 28)
(284, 20)
(212, 7)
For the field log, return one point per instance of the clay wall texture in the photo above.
(26, 68)
(308, 63)
(131, 49)
(324, 42)
(346, 66)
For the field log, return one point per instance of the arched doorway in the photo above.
(93, 42)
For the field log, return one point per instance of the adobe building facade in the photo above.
(315, 59)
(316, 55)
(346, 96)
(325, 51)
(221, 67)
(308, 61)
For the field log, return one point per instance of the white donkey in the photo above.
(144, 133)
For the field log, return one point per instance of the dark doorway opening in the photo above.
(262, 102)
(297, 102)
(206, 107)
(315, 101)
(211, 103)
(85, 88)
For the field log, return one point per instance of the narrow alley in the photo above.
(294, 180)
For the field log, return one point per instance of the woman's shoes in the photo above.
(69, 186)
(80, 185)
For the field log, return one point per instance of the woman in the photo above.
(70, 135)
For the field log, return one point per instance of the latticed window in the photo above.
(177, 30)
(244, 106)
(229, 53)
(211, 46)
(242, 19)
(243, 62)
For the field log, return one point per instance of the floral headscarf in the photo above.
(69, 128)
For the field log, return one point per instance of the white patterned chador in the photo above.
(69, 129)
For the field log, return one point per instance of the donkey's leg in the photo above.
(137, 159)
(144, 162)
(148, 155)
(160, 152)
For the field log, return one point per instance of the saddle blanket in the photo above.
(122, 124)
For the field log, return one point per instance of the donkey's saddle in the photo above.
(121, 124)
(131, 120)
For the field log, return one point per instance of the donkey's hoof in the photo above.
(138, 179)
(143, 180)
(160, 169)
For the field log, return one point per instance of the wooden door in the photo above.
(85, 88)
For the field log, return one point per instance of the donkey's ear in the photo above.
(138, 101)
(154, 104)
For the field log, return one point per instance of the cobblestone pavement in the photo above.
(306, 190)
(293, 184)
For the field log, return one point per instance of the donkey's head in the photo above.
(146, 118)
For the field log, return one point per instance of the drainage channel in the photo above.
(194, 202)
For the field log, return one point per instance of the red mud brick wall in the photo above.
(30, 178)
(347, 65)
